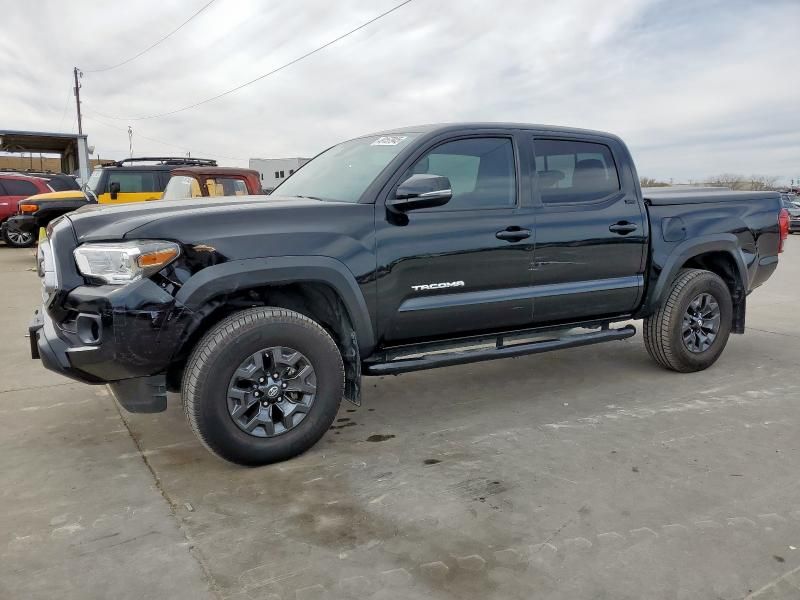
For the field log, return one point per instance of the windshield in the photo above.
(343, 172)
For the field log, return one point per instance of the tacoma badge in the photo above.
(437, 286)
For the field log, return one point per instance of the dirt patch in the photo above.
(338, 526)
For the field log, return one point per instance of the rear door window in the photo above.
(570, 171)
(19, 187)
(63, 184)
(226, 186)
(146, 181)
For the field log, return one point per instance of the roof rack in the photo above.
(169, 160)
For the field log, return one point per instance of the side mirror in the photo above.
(113, 189)
(421, 191)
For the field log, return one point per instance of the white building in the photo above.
(274, 170)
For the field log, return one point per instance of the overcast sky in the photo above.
(695, 88)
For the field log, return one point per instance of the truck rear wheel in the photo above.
(690, 329)
(263, 385)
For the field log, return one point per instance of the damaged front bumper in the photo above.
(122, 336)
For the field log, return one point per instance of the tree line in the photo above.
(728, 180)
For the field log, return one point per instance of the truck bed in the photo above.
(694, 196)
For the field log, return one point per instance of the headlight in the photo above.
(122, 262)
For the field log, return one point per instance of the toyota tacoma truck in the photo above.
(409, 249)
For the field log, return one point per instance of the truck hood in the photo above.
(65, 195)
(170, 219)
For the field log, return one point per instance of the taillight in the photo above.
(783, 228)
(28, 208)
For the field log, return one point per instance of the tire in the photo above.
(18, 239)
(210, 372)
(664, 330)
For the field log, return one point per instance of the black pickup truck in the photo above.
(404, 250)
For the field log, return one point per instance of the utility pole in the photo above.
(77, 73)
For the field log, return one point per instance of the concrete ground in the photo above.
(584, 474)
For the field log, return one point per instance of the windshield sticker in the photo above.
(389, 140)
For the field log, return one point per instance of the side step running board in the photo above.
(446, 359)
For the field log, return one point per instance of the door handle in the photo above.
(622, 228)
(513, 234)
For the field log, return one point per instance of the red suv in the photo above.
(13, 188)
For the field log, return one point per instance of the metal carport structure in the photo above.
(72, 147)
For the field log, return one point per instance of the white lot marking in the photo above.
(23, 540)
(579, 543)
(739, 521)
(674, 529)
(708, 524)
(642, 531)
(610, 537)
(66, 530)
(56, 405)
(747, 398)
(693, 436)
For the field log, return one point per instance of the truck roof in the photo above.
(215, 171)
(433, 128)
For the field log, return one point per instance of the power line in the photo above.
(135, 56)
(260, 77)
(157, 141)
(66, 104)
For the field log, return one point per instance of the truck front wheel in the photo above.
(690, 329)
(18, 239)
(263, 385)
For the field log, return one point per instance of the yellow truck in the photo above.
(131, 180)
(128, 180)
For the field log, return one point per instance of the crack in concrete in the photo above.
(793, 335)
(193, 550)
(40, 387)
(773, 584)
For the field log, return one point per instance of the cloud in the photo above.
(695, 89)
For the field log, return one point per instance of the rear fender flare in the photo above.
(229, 277)
(727, 243)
